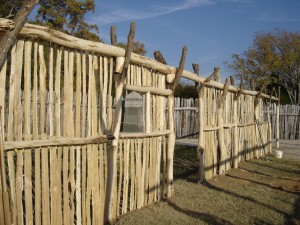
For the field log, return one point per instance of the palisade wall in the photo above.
(63, 158)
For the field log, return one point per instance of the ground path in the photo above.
(290, 148)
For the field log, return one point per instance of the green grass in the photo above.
(260, 192)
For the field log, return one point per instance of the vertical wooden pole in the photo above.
(235, 131)
(148, 113)
(4, 194)
(269, 139)
(220, 132)
(277, 119)
(235, 134)
(27, 132)
(201, 149)
(171, 144)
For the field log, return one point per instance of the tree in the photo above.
(274, 58)
(68, 16)
(186, 91)
(137, 47)
(9, 8)
(9, 38)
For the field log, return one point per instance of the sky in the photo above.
(212, 30)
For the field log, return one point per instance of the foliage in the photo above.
(68, 16)
(186, 91)
(9, 8)
(137, 47)
(274, 58)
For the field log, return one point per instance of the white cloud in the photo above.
(154, 11)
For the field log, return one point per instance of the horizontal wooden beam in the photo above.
(152, 90)
(230, 125)
(144, 135)
(12, 145)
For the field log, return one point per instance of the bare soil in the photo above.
(259, 192)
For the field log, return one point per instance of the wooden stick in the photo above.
(113, 36)
(196, 71)
(11, 145)
(152, 90)
(159, 57)
(201, 148)
(240, 90)
(171, 143)
(277, 119)
(5, 196)
(220, 132)
(179, 70)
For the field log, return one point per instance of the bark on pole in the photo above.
(159, 57)
(113, 36)
(196, 69)
(179, 70)
(10, 36)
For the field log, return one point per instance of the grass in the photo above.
(259, 192)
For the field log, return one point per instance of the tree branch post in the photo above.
(119, 76)
(171, 136)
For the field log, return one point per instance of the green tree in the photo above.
(68, 16)
(9, 8)
(186, 91)
(137, 47)
(274, 58)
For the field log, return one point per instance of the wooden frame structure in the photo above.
(63, 158)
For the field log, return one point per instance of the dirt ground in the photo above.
(259, 192)
(290, 148)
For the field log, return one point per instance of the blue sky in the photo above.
(211, 29)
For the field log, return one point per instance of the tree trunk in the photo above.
(10, 36)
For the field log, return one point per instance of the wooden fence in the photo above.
(63, 158)
(289, 121)
(187, 119)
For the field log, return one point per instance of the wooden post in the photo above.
(201, 149)
(257, 121)
(235, 131)
(171, 136)
(113, 36)
(148, 113)
(171, 145)
(220, 132)
(196, 69)
(4, 194)
(159, 57)
(277, 119)
(269, 122)
(120, 75)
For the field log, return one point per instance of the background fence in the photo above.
(187, 119)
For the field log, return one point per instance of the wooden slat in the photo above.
(10, 134)
(27, 133)
(77, 134)
(3, 75)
